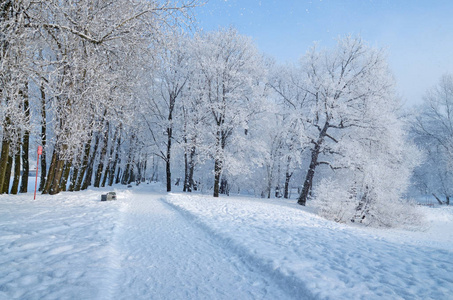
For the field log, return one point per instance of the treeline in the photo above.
(74, 66)
(120, 91)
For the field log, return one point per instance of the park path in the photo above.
(158, 253)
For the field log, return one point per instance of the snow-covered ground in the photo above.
(150, 245)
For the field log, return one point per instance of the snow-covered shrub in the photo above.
(371, 196)
(334, 202)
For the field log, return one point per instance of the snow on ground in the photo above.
(150, 245)
(320, 259)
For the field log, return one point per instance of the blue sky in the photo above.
(418, 35)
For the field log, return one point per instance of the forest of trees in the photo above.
(127, 91)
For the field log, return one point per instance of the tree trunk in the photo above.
(116, 161)
(100, 168)
(55, 187)
(308, 183)
(9, 168)
(224, 187)
(83, 167)
(25, 162)
(25, 144)
(43, 138)
(217, 173)
(169, 138)
(129, 168)
(131, 177)
(302, 200)
(15, 186)
(186, 173)
(4, 159)
(75, 173)
(218, 163)
(65, 176)
(287, 180)
(119, 174)
(89, 171)
(108, 169)
(437, 198)
(168, 172)
(191, 169)
(50, 173)
(145, 166)
(106, 174)
(270, 175)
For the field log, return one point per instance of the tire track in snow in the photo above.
(163, 256)
(286, 282)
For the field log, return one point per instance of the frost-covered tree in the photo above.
(16, 53)
(96, 50)
(161, 109)
(349, 116)
(433, 132)
(338, 85)
(285, 82)
(231, 72)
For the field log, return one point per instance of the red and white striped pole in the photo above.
(37, 166)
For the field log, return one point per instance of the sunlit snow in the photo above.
(150, 245)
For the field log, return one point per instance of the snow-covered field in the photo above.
(150, 245)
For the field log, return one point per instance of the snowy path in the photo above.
(163, 256)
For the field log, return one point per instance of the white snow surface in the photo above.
(153, 245)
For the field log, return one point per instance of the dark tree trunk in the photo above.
(224, 187)
(100, 168)
(302, 200)
(55, 187)
(43, 138)
(89, 171)
(308, 183)
(9, 168)
(75, 173)
(106, 173)
(169, 138)
(131, 177)
(4, 158)
(188, 168)
(83, 167)
(25, 144)
(65, 176)
(218, 163)
(15, 186)
(288, 176)
(145, 165)
(127, 169)
(168, 170)
(191, 169)
(119, 174)
(155, 173)
(25, 162)
(287, 180)
(186, 173)
(108, 169)
(116, 161)
(50, 173)
(217, 173)
(125, 176)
